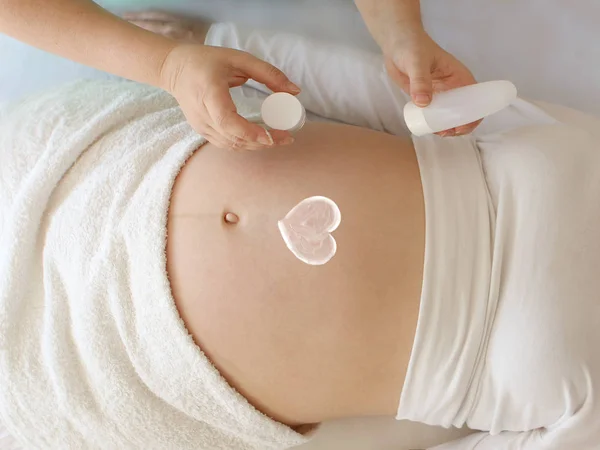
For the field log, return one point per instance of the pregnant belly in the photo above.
(303, 343)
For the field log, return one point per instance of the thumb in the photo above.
(421, 85)
(267, 74)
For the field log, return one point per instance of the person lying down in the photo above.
(148, 300)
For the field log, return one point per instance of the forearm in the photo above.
(82, 31)
(391, 22)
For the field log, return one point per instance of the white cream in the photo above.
(307, 229)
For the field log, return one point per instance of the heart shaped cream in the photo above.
(307, 229)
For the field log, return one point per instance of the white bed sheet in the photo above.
(548, 48)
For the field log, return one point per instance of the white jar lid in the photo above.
(415, 120)
(283, 111)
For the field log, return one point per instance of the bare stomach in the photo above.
(303, 343)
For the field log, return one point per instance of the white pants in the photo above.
(510, 322)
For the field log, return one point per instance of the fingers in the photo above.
(237, 132)
(228, 122)
(447, 133)
(468, 128)
(421, 85)
(267, 74)
(199, 77)
(215, 138)
(281, 137)
(416, 82)
(459, 131)
(201, 121)
(397, 76)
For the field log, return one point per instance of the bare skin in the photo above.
(304, 344)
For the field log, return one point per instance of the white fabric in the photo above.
(93, 353)
(542, 368)
(7, 441)
(512, 349)
(456, 281)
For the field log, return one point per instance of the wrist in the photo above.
(162, 78)
(405, 40)
(167, 72)
(393, 22)
(176, 60)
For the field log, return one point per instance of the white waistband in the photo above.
(455, 311)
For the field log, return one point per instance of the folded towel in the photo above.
(93, 353)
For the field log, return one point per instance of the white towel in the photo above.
(93, 354)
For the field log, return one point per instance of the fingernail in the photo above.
(287, 141)
(266, 139)
(422, 99)
(292, 87)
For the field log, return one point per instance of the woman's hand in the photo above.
(199, 77)
(413, 59)
(422, 68)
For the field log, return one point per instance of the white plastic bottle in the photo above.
(459, 107)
